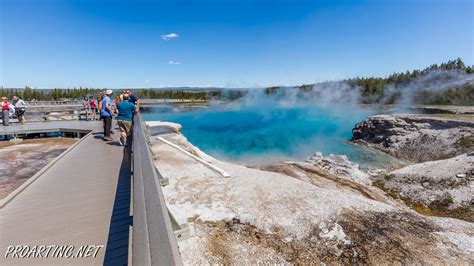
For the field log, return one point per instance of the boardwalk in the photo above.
(55, 126)
(83, 199)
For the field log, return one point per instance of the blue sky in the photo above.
(114, 43)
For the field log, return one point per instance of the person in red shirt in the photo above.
(119, 98)
(93, 105)
(5, 111)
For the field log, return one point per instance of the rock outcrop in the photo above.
(443, 187)
(340, 165)
(161, 127)
(416, 138)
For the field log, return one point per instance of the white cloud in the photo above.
(169, 36)
(174, 63)
(147, 81)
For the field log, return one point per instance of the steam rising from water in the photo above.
(326, 94)
(341, 94)
(262, 129)
(293, 123)
(435, 81)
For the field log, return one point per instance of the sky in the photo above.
(224, 43)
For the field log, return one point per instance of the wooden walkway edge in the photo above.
(72, 203)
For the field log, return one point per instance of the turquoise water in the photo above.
(267, 133)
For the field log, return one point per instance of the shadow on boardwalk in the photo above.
(116, 252)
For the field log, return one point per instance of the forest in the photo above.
(389, 90)
(373, 89)
(386, 90)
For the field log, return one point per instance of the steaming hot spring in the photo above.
(265, 130)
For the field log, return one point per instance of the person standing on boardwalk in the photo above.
(118, 99)
(133, 98)
(125, 109)
(100, 97)
(5, 111)
(106, 114)
(93, 105)
(86, 106)
(19, 109)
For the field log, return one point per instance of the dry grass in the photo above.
(436, 208)
(219, 247)
(469, 118)
(467, 143)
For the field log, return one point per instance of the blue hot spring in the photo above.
(268, 133)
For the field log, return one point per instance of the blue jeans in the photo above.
(6, 117)
(107, 125)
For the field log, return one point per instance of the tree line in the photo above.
(372, 89)
(171, 94)
(388, 90)
(49, 94)
(78, 93)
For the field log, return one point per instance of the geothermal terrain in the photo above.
(21, 160)
(325, 209)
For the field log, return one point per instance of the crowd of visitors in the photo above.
(124, 107)
(16, 108)
(89, 106)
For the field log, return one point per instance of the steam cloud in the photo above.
(342, 93)
(294, 122)
(436, 81)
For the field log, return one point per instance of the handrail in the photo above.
(153, 240)
(42, 113)
(54, 103)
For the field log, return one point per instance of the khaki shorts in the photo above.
(125, 126)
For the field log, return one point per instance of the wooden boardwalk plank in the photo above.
(50, 126)
(71, 203)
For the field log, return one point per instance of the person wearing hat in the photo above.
(125, 109)
(19, 109)
(106, 114)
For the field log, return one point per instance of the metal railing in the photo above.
(53, 112)
(58, 102)
(153, 240)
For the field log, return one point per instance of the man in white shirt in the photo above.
(19, 109)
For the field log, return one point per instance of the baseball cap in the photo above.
(108, 92)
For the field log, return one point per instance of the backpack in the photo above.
(20, 111)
